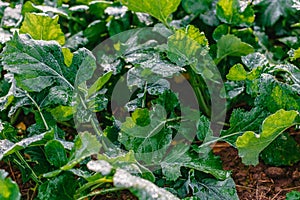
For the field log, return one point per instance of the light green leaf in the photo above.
(230, 45)
(237, 73)
(56, 153)
(251, 144)
(36, 64)
(68, 56)
(160, 9)
(229, 11)
(62, 113)
(99, 83)
(42, 27)
(9, 190)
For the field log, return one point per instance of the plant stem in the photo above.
(33, 175)
(101, 192)
(39, 109)
(195, 83)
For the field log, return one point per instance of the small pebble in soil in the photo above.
(275, 172)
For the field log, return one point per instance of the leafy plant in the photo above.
(83, 140)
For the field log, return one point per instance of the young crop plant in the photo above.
(101, 99)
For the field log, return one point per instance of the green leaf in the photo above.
(160, 9)
(185, 45)
(273, 10)
(85, 145)
(62, 113)
(9, 190)
(7, 147)
(208, 188)
(68, 56)
(196, 6)
(275, 95)
(229, 11)
(35, 64)
(241, 120)
(251, 144)
(293, 195)
(230, 45)
(56, 153)
(141, 117)
(99, 83)
(237, 73)
(129, 163)
(61, 187)
(284, 150)
(141, 188)
(42, 27)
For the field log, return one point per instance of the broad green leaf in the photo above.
(273, 10)
(230, 45)
(56, 153)
(251, 144)
(42, 27)
(7, 147)
(62, 113)
(284, 150)
(141, 117)
(185, 45)
(85, 145)
(208, 188)
(293, 195)
(275, 95)
(58, 188)
(179, 157)
(142, 188)
(36, 64)
(196, 6)
(229, 11)
(241, 121)
(160, 9)
(237, 73)
(29, 7)
(255, 60)
(9, 190)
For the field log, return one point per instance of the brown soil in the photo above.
(261, 182)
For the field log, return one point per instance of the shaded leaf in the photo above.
(56, 153)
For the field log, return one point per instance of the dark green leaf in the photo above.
(61, 187)
(230, 45)
(55, 153)
(36, 64)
